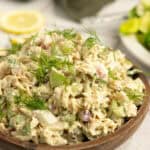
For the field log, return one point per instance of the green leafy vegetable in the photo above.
(140, 37)
(147, 40)
(146, 3)
(133, 13)
(33, 103)
(145, 23)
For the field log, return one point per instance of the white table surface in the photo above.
(141, 139)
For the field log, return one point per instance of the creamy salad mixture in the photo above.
(60, 88)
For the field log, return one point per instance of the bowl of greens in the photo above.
(135, 34)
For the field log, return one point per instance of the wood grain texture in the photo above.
(108, 142)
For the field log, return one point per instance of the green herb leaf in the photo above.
(54, 31)
(69, 34)
(133, 13)
(33, 103)
(90, 42)
(112, 74)
(47, 62)
(15, 48)
(94, 35)
(147, 40)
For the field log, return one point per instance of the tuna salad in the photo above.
(59, 87)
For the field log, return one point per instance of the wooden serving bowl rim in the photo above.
(94, 143)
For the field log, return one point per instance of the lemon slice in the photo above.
(22, 22)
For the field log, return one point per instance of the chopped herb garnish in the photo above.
(112, 74)
(15, 48)
(31, 39)
(133, 13)
(33, 103)
(55, 50)
(47, 62)
(69, 34)
(94, 35)
(99, 80)
(90, 42)
(54, 31)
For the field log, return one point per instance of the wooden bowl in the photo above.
(108, 142)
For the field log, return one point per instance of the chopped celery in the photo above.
(57, 78)
(76, 88)
(117, 110)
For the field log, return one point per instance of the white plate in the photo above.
(136, 52)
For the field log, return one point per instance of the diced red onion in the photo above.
(85, 115)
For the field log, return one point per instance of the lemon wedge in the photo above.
(22, 22)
